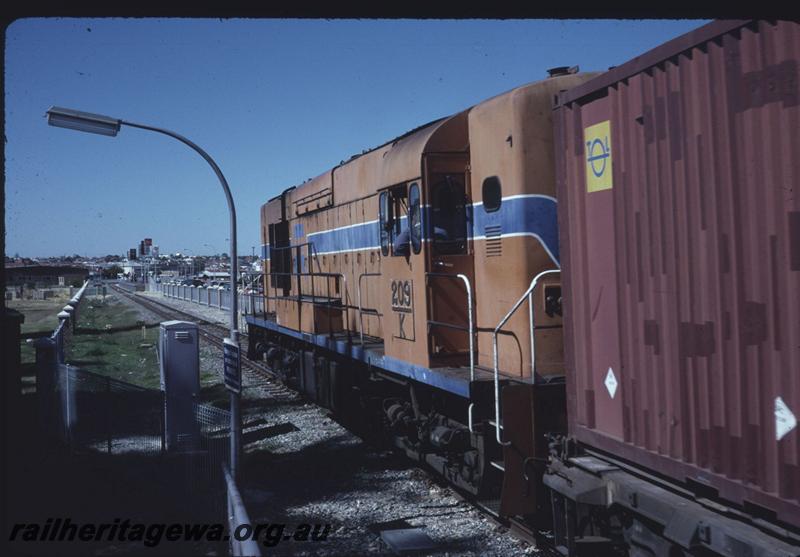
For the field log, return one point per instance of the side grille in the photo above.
(494, 241)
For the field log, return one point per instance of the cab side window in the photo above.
(400, 231)
(449, 216)
(393, 220)
(492, 193)
(414, 218)
(384, 222)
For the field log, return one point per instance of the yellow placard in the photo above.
(598, 156)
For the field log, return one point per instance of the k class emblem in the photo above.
(403, 309)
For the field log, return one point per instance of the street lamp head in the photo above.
(82, 121)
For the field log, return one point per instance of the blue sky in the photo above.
(274, 102)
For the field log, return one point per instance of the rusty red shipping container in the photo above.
(679, 214)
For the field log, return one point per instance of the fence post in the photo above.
(71, 312)
(63, 329)
(46, 374)
(67, 405)
(75, 302)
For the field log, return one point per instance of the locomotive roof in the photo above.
(440, 120)
(395, 140)
(425, 131)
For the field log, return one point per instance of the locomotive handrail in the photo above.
(529, 296)
(311, 196)
(293, 246)
(343, 296)
(360, 309)
(471, 325)
(471, 331)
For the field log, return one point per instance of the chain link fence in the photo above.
(97, 413)
(124, 425)
(94, 414)
(110, 443)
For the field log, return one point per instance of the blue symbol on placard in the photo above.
(598, 153)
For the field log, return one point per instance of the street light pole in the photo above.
(104, 125)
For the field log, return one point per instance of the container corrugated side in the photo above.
(679, 215)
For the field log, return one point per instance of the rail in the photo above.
(529, 296)
(360, 308)
(237, 516)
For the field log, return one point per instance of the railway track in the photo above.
(259, 375)
(265, 378)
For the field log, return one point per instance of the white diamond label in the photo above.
(611, 382)
(785, 420)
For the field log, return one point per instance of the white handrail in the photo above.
(360, 309)
(529, 295)
(465, 279)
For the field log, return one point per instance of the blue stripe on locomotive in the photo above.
(534, 215)
(360, 236)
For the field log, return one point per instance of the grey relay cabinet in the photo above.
(180, 380)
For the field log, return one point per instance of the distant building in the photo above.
(215, 274)
(133, 269)
(132, 254)
(41, 276)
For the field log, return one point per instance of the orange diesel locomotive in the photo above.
(389, 281)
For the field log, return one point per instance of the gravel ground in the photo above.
(301, 466)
